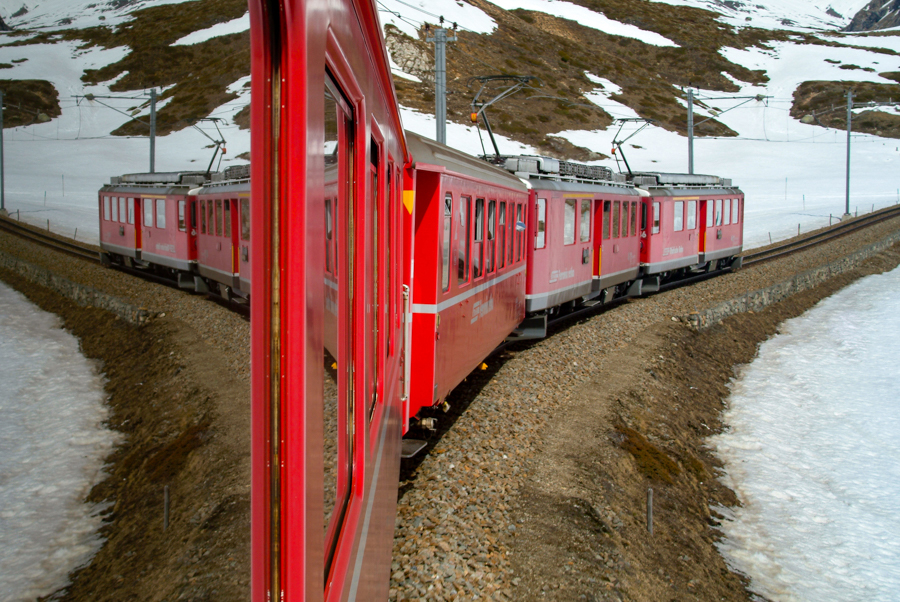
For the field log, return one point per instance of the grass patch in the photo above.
(827, 100)
(24, 100)
(653, 463)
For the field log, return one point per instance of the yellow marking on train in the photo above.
(153, 196)
(409, 200)
(685, 198)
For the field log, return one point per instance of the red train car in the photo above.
(223, 233)
(673, 224)
(149, 220)
(327, 187)
(722, 228)
(469, 286)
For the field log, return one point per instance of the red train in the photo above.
(385, 267)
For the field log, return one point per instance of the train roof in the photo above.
(649, 179)
(586, 187)
(429, 152)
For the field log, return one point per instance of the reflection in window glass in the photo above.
(691, 215)
(585, 223)
(122, 210)
(678, 216)
(734, 210)
(181, 223)
(540, 240)
(478, 248)
(227, 218)
(709, 214)
(218, 217)
(607, 208)
(655, 229)
(726, 212)
(131, 211)
(719, 212)
(445, 242)
(148, 213)
(202, 217)
(245, 219)
(463, 230)
(624, 219)
(633, 218)
(615, 218)
(501, 230)
(520, 230)
(569, 223)
(161, 213)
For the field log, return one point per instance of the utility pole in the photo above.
(2, 175)
(849, 118)
(690, 130)
(440, 40)
(152, 130)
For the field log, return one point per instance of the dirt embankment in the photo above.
(643, 423)
(185, 425)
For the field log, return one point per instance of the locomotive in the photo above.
(381, 268)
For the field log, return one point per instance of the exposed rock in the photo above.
(411, 55)
(878, 14)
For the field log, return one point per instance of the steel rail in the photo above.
(71, 248)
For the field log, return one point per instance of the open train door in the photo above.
(327, 295)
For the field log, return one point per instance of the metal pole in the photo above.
(440, 83)
(849, 127)
(690, 130)
(153, 130)
(2, 177)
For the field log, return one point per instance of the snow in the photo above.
(587, 18)
(408, 17)
(52, 448)
(238, 25)
(71, 14)
(813, 454)
(779, 14)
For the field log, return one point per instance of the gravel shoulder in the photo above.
(534, 486)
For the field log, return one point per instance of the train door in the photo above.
(134, 218)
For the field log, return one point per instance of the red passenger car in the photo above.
(468, 291)
(149, 219)
(223, 236)
(327, 188)
(675, 224)
(722, 227)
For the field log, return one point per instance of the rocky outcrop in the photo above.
(878, 14)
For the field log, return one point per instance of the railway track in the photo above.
(30, 233)
(87, 253)
(822, 236)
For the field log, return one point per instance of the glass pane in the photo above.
(569, 221)
(709, 214)
(160, 213)
(445, 242)
(181, 224)
(491, 236)
(462, 241)
(734, 211)
(541, 239)
(726, 213)
(148, 213)
(585, 224)
(218, 217)
(501, 230)
(678, 216)
(615, 219)
(122, 210)
(202, 217)
(245, 219)
(655, 229)
(718, 212)
(130, 211)
(479, 237)
(692, 215)
(624, 219)
(106, 210)
(115, 209)
(634, 218)
(607, 207)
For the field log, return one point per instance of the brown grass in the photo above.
(827, 101)
(25, 99)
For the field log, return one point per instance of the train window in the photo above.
(569, 222)
(122, 210)
(643, 216)
(501, 230)
(615, 218)
(218, 221)
(202, 217)
(540, 239)
(719, 212)
(734, 210)
(376, 292)
(624, 219)
(115, 210)
(193, 218)
(709, 214)
(584, 226)
(655, 229)
(227, 223)
(512, 233)
(210, 216)
(691, 215)
(726, 212)
(245, 219)
(463, 231)
(131, 211)
(445, 242)
(148, 213)
(181, 223)
(607, 207)
(161, 213)
(678, 216)
(491, 237)
(520, 230)
(477, 248)
(106, 211)
(634, 218)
